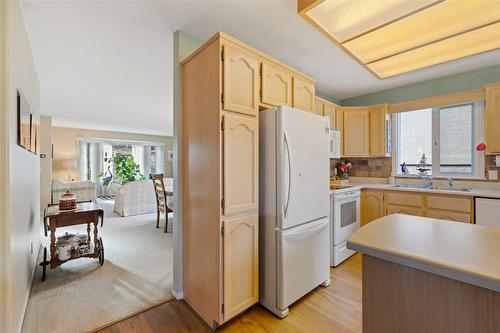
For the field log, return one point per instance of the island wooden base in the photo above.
(398, 299)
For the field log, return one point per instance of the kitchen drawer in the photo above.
(398, 209)
(447, 215)
(449, 203)
(405, 199)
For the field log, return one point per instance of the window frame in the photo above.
(478, 167)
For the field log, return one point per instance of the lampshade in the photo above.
(391, 37)
(65, 164)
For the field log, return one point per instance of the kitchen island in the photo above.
(428, 275)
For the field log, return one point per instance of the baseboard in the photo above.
(178, 294)
(28, 294)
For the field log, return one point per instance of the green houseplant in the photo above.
(126, 170)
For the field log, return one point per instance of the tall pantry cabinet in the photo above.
(220, 104)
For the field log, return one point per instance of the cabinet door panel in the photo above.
(378, 130)
(241, 81)
(319, 106)
(492, 119)
(373, 206)
(303, 94)
(329, 111)
(356, 131)
(276, 85)
(450, 216)
(241, 264)
(405, 199)
(450, 203)
(241, 164)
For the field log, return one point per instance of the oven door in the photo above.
(346, 218)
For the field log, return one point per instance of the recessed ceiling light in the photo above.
(391, 37)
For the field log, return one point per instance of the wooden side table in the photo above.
(86, 213)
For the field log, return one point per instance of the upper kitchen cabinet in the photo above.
(356, 134)
(303, 94)
(378, 130)
(241, 80)
(492, 119)
(319, 106)
(328, 109)
(276, 85)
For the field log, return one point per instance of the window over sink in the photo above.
(447, 135)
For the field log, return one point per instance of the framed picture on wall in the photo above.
(23, 121)
(35, 134)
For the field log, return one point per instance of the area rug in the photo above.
(81, 295)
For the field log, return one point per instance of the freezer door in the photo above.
(303, 167)
(303, 261)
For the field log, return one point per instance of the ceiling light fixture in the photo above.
(391, 37)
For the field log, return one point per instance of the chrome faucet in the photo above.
(428, 179)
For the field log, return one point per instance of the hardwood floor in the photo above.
(336, 308)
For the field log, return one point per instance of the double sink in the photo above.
(432, 187)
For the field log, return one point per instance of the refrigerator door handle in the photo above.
(305, 233)
(285, 141)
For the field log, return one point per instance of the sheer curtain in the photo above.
(138, 155)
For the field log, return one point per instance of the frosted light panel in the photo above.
(441, 21)
(345, 19)
(390, 37)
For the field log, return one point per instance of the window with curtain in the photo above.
(447, 136)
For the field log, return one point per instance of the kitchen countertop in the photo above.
(390, 187)
(465, 252)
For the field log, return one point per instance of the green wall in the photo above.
(445, 85)
(327, 97)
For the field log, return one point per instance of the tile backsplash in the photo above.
(489, 164)
(382, 167)
(366, 167)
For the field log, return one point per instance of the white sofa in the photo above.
(138, 197)
(83, 190)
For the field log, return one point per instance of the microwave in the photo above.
(334, 144)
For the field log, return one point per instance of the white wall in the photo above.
(45, 163)
(23, 224)
(184, 45)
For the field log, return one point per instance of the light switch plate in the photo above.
(492, 174)
(497, 160)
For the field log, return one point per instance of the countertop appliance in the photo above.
(334, 144)
(294, 206)
(488, 211)
(344, 220)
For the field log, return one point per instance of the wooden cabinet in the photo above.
(492, 119)
(241, 80)
(241, 164)
(220, 178)
(328, 109)
(378, 130)
(276, 85)
(303, 94)
(319, 106)
(241, 264)
(406, 199)
(356, 132)
(447, 215)
(372, 206)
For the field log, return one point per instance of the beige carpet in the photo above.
(82, 295)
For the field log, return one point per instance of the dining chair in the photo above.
(161, 200)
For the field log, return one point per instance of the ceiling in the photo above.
(108, 64)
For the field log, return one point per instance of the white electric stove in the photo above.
(344, 220)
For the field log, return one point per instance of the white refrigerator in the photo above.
(294, 206)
